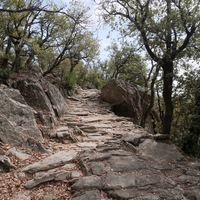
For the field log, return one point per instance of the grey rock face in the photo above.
(43, 96)
(15, 95)
(56, 99)
(36, 98)
(17, 123)
(127, 100)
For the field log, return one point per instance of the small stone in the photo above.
(76, 174)
(19, 154)
(62, 134)
(135, 138)
(21, 175)
(6, 163)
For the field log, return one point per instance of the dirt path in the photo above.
(96, 155)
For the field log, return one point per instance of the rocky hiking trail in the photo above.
(95, 155)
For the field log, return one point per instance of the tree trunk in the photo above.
(167, 96)
(17, 61)
(73, 63)
(72, 67)
(29, 61)
(148, 108)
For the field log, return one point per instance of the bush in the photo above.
(188, 127)
(71, 79)
(192, 139)
(93, 79)
(5, 73)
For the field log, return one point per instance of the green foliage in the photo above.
(5, 73)
(186, 126)
(71, 79)
(93, 79)
(89, 76)
(166, 30)
(43, 36)
(124, 63)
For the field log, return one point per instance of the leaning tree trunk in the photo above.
(167, 96)
(152, 97)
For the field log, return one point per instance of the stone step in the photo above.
(78, 113)
(87, 127)
(53, 161)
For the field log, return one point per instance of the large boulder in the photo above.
(127, 100)
(44, 97)
(18, 126)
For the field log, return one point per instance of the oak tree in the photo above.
(38, 36)
(167, 29)
(124, 63)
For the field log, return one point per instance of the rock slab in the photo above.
(53, 161)
(48, 176)
(17, 123)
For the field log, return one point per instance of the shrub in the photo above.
(71, 79)
(5, 73)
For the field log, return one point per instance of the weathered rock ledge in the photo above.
(30, 111)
